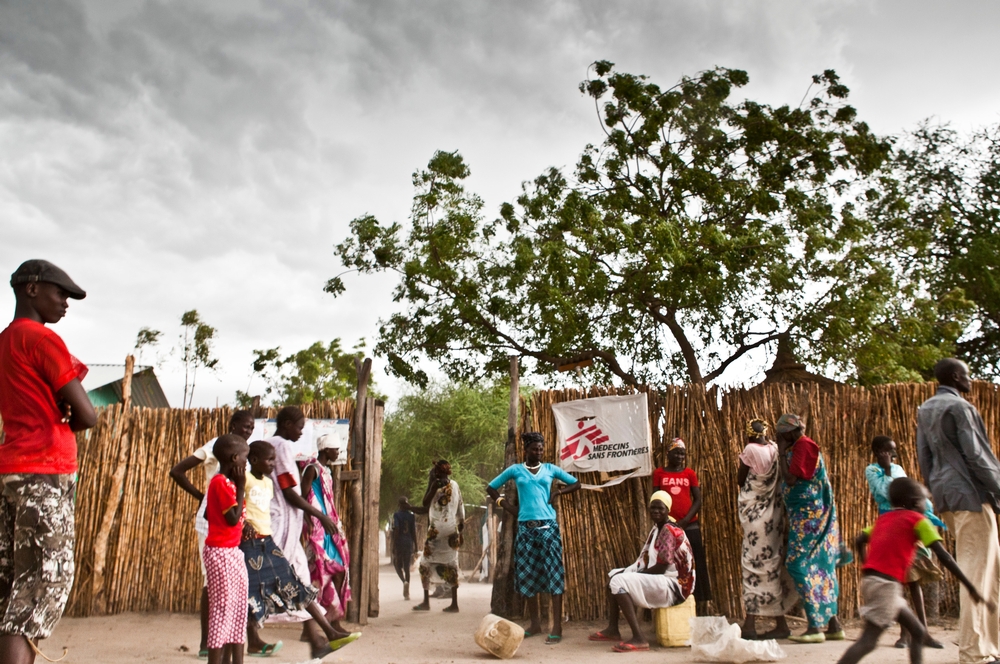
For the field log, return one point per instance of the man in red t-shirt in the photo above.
(42, 404)
(682, 484)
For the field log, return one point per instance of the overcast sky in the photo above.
(208, 155)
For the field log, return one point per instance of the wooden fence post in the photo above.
(373, 467)
(354, 612)
(114, 493)
(505, 601)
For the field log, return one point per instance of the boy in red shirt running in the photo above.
(892, 545)
(42, 404)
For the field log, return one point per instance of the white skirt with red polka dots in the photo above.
(227, 595)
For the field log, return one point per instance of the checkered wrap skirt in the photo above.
(538, 563)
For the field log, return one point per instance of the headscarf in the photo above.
(663, 497)
(752, 433)
(325, 442)
(789, 422)
(677, 444)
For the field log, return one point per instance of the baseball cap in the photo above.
(37, 269)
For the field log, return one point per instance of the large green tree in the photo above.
(465, 425)
(700, 229)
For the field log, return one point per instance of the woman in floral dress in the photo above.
(445, 521)
(813, 534)
(767, 589)
(328, 554)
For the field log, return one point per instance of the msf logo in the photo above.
(580, 444)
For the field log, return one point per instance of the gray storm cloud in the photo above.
(177, 155)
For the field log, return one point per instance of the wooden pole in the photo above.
(373, 466)
(505, 602)
(491, 528)
(354, 612)
(114, 493)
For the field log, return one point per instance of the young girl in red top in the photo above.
(892, 545)
(681, 483)
(224, 562)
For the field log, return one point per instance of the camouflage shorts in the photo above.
(36, 552)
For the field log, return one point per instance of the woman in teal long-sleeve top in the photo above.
(880, 475)
(538, 565)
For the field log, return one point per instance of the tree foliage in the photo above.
(320, 372)
(465, 425)
(195, 345)
(700, 229)
(948, 223)
(146, 338)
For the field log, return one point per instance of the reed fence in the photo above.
(151, 558)
(605, 529)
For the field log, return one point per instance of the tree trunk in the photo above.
(505, 601)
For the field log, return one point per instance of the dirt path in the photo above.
(399, 636)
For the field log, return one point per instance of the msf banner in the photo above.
(605, 434)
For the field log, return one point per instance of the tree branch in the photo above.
(743, 349)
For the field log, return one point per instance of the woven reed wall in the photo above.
(152, 554)
(603, 530)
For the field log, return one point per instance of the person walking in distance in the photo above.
(404, 543)
(43, 405)
(964, 477)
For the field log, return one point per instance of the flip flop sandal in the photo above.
(600, 636)
(203, 653)
(835, 636)
(341, 642)
(553, 639)
(818, 637)
(267, 650)
(327, 650)
(629, 647)
(528, 634)
(421, 607)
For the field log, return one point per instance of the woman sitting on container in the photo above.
(661, 577)
(538, 564)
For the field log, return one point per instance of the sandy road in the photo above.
(399, 636)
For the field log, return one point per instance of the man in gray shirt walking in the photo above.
(964, 477)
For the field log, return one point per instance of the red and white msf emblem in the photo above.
(583, 441)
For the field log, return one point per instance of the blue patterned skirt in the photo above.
(538, 563)
(273, 585)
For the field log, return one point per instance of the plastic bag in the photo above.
(715, 640)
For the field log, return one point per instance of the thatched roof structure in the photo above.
(788, 370)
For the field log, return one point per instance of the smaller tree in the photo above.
(147, 338)
(464, 424)
(320, 372)
(196, 350)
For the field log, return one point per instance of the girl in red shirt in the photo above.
(682, 484)
(224, 563)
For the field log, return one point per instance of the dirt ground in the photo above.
(400, 635)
